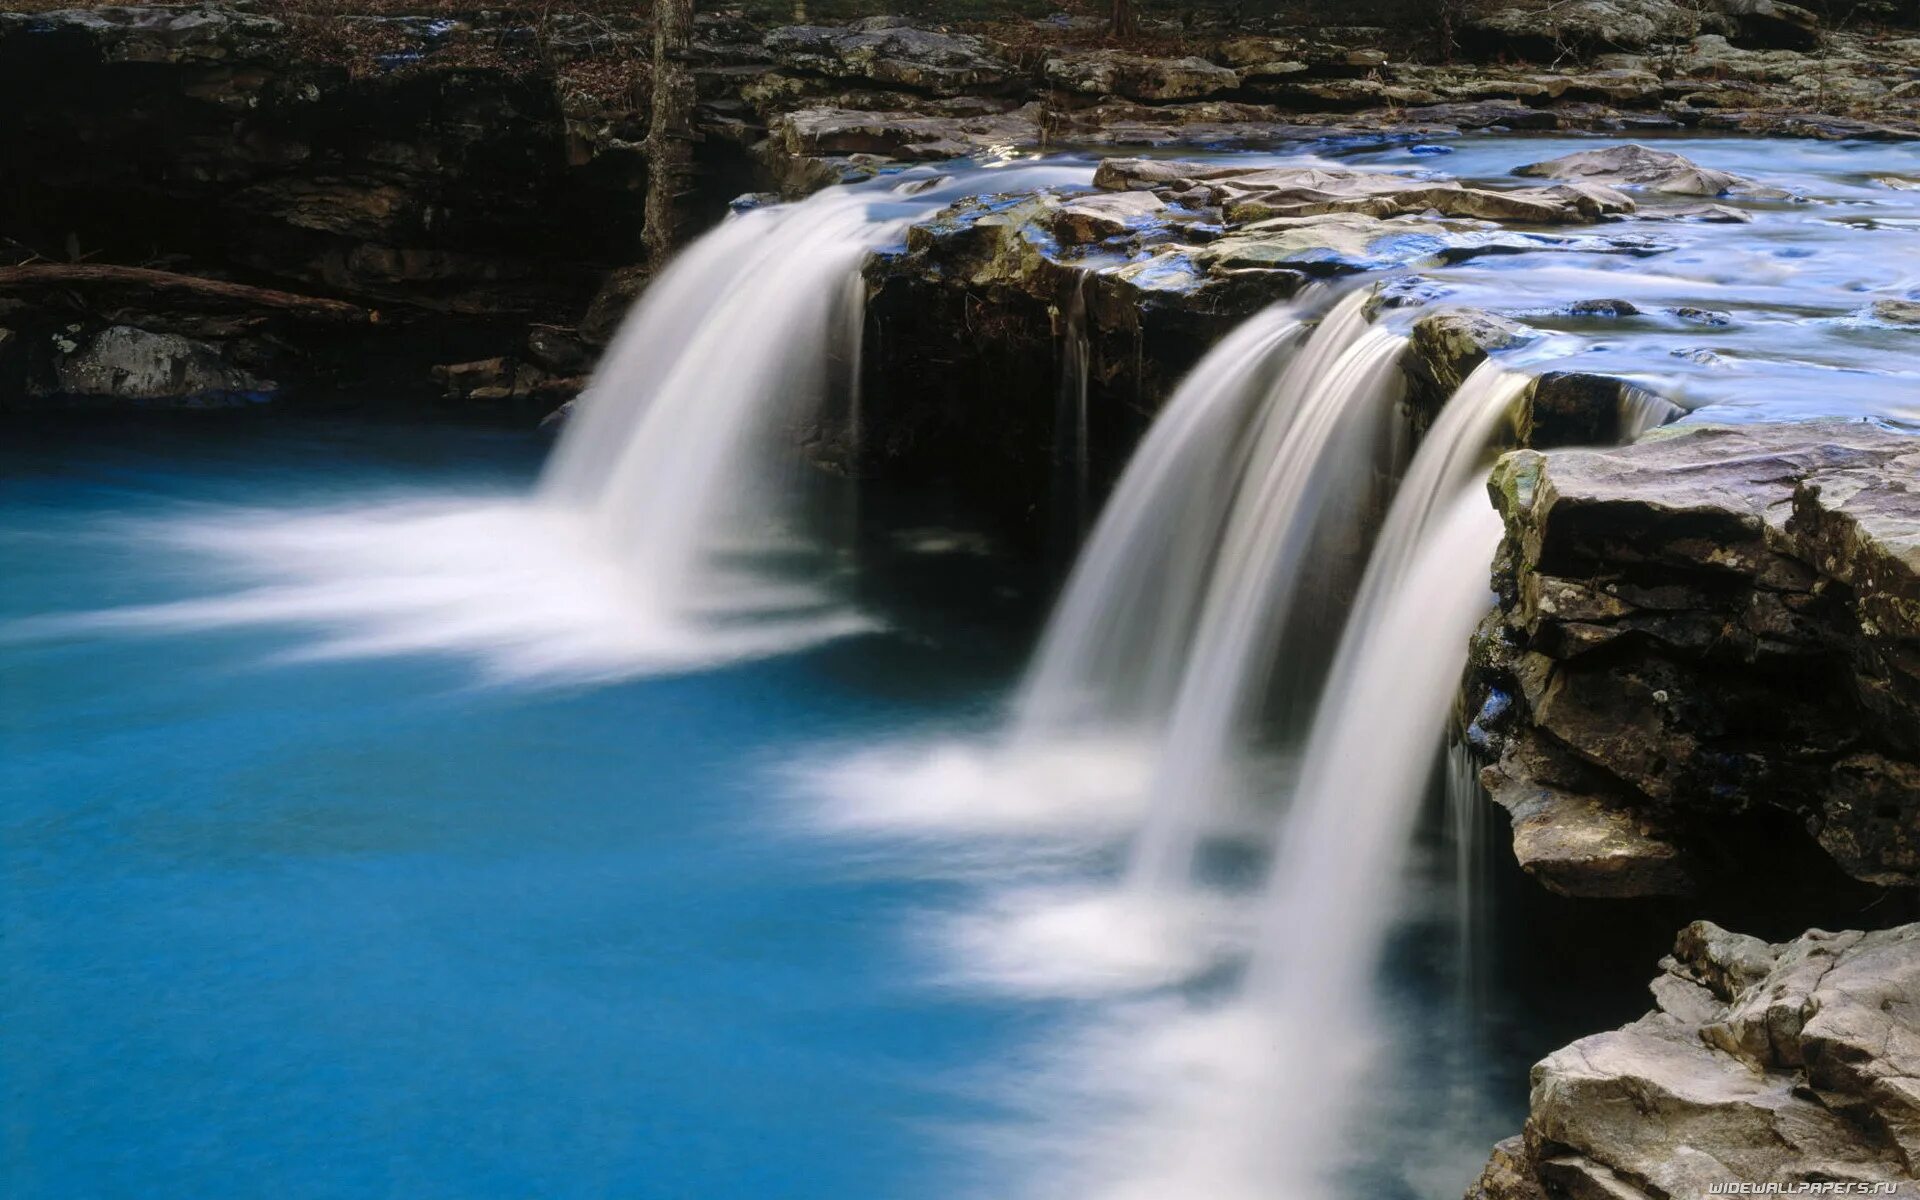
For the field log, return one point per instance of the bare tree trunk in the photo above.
(1121, 22)
(670, 130)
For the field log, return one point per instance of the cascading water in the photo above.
(1114, 648)
(667, 456)
(1250, 1097)
(1316, 458)
(1374, 741)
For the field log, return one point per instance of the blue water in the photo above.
(360, 928)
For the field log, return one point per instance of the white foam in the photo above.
(524, 590)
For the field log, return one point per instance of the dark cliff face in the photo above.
(446, 204)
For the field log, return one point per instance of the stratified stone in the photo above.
(1139, 76)
(1791, 1065)
(1257, 193)
(892, 53)
(1721, 619)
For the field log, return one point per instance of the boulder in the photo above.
(1139, 76)
(1550, 28)
(123, 366)
(1793, 1065)
(1711, 624)
(1638, 166)
(889, 52)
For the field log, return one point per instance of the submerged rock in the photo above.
(1792, 1064)
(1896, 312)
(1711, 624)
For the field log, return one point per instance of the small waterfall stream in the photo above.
(671, 454)
(1314, 461)
(1376, 735)
(1113, 651)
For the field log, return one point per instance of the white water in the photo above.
(1113, 650)
(671, 457)
(1317, 456)
(655, 543)
(1375, 738)
(1252, 1097)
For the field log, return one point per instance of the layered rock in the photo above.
(1795, 1064)
(1256, 193)
(472, 175)
(1713, 624)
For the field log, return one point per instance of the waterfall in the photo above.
(1315, 461)
(1471, 838)
(1112, 652)
(1372, 748)
(671, 457)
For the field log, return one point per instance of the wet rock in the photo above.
(1792, 1064)
(1253, 193)
(1575, 408)
(1342, 242)
(122, 366)
(1896, 312)
(1603, 308)
(1139, 76)
(1639, 167)
(1578, 842)
(1716, 622)
(1450, 343)
(1094, 218)
(891, 53)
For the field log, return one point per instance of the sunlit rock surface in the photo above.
(1706, 625)
(1788, 1064)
